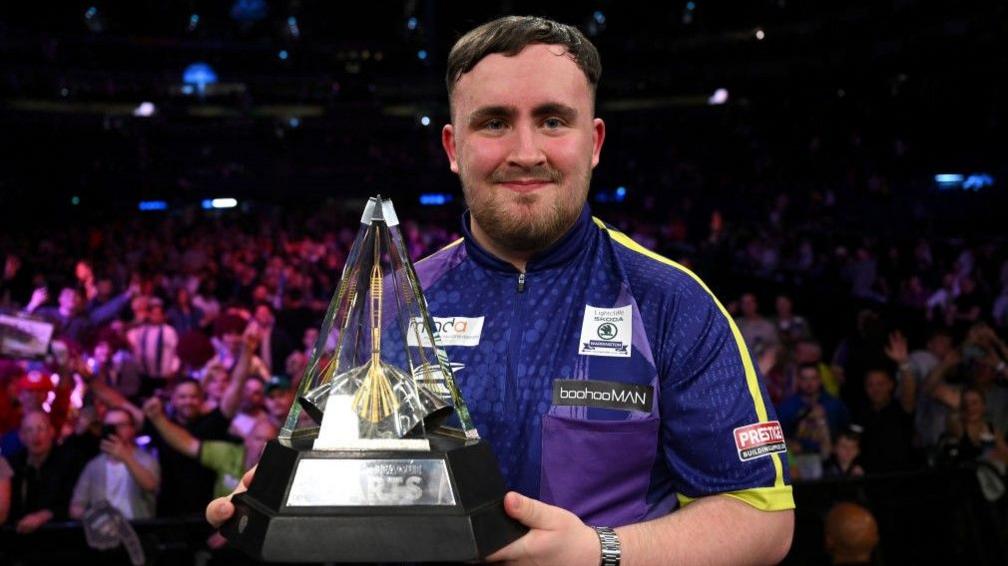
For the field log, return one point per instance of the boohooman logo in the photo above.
(602, 394)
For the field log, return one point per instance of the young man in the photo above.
(566, 304)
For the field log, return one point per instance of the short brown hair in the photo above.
(509, 35)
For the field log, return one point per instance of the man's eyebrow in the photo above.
(568, 113)
(488, 112)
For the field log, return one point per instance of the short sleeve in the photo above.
(719, 431)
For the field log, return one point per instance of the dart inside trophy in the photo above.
(379, 460)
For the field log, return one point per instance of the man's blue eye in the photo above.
(553, 123)
(494, 124)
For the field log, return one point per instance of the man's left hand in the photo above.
(556, 536)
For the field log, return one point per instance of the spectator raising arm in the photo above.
(231, 398)
(176, 436)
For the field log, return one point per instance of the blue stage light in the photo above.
(200, 75)
(422, 55)
(435, 199)
(148, 205)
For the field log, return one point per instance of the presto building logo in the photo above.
(760, 439)
(452, 330)
(602, 394)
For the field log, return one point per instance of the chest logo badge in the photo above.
(452, 331)
(606, 332)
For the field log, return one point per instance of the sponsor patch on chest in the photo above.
(602, 394)
(452, 330)
(760, 439)
(606, 332)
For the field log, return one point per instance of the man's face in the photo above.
(252, 395)
(216, 382)
(748, 305)
(123, 425)
(879, 387)
(523, 141)
(37, 433)
(278, 403)
(310, 336)
(187, 398)
(263, 316)
(809, 382)
(70, 300)
(261, 433)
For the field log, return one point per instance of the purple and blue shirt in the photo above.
(608, 379)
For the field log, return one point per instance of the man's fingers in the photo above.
(219, 511)
(533, 514)
(246, 480)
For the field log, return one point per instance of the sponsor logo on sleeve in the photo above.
(602, 394)
(606, 332)
(452, 331)
(758, 440)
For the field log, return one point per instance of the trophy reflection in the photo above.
(378, 459)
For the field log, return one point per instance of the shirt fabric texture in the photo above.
(608, 465)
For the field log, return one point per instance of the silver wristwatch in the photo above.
(611, 552)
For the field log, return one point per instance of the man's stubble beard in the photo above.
(530, 230)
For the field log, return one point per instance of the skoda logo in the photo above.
(607, 331)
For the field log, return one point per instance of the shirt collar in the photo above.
(576, 240)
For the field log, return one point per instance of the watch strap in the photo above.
(611, 551)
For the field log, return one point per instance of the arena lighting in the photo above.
(75, 200)
(760, 34)
(435, 199)
(149, 205)
(720, 96)
(946, 179)
(209, 204)
(193, 22)
(145, 110)
(971, 182)
(978, 181)
(422, 55)
(199, 74)
(425, 120)
(294, 121)
(292, 27)
(599, 17)
(618, 194)
(411, 24)
(283, 55)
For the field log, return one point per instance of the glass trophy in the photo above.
(379, 460)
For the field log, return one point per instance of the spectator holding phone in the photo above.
(123, 474)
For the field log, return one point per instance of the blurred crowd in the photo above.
(179, 343)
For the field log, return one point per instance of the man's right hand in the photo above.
(153, 409)
(220, 510)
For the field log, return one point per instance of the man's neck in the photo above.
(518, 259)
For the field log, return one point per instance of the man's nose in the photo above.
(527, 151)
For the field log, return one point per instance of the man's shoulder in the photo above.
(648, 272)
(430, 268)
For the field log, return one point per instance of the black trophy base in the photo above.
(466, 523)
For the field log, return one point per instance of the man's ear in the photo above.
(598, 138)
(448, 143)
